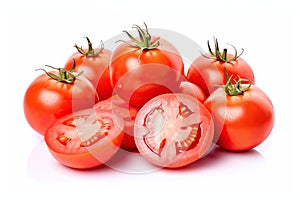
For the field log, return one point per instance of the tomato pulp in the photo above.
(173, 130)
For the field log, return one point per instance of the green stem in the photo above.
(221, 56)
(234, 89)
(64, 75)
(143, 42)
(91, 51)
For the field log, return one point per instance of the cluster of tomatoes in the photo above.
(139, 97)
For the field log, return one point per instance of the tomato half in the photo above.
(207, 71)
(47, 100)
(141, 70)
(94, 65)
(85, 139)
(243, 121)
(127, 113)
(173, 130)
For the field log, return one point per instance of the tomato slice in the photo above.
(85, 139)
(173, 130)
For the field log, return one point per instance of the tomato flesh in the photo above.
(173, 130)
(84, 139)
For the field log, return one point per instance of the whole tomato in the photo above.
(55, 94)
(192, 89)
(243, 115)
(94, 63)
(143, 68)
(207, 71)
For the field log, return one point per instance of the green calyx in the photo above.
(90, 52)
(222, 56)
(234, 89)
(64, 75)
(144, 42)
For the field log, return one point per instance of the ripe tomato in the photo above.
(243, 115)
(49, 98)
(86, 138)
(173, 130)
(94, 63)
(193, 90)
(127, 113)
(142, 69)
(207, 71)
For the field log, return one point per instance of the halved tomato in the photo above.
(173, 130)
(85, 139)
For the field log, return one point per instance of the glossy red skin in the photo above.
(95, 69)
(47, 100)
(242, 121)
(83, 157)
(200, 115)
(209, 74)
(193, 90)
(128, 114)
(159, 71)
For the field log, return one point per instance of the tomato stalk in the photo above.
(90, 52)
(221, 56)
(144, 42)
(64, 75)
(234, 89)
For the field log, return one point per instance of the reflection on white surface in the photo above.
(42, 166)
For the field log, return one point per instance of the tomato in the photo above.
(173, 130)
(86, 138)
(142, 69)
(94, 63)
(55, 94)
(207, 71)
(243, 115)
(193, 90)
(127, 113)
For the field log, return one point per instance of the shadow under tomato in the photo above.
(42, 166)
(220, 160)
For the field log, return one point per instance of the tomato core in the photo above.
(98, 129)
(162, 129)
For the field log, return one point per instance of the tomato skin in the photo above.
(88, 156)
(193, 90)
(47, 100)
(209, 74)
(243, 121)
(95, 69)
(127, 113)
(158, 71)
(173, 131)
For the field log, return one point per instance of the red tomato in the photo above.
(48, 99)
(173, 130)
(128, 113)
(85, 139)
(244, 117)
(207, 71)
(193, 90)
(141, 70)
(94, 63)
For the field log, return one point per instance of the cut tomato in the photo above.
(86, 138)
(173, 130)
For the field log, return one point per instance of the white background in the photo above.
(35, 33)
